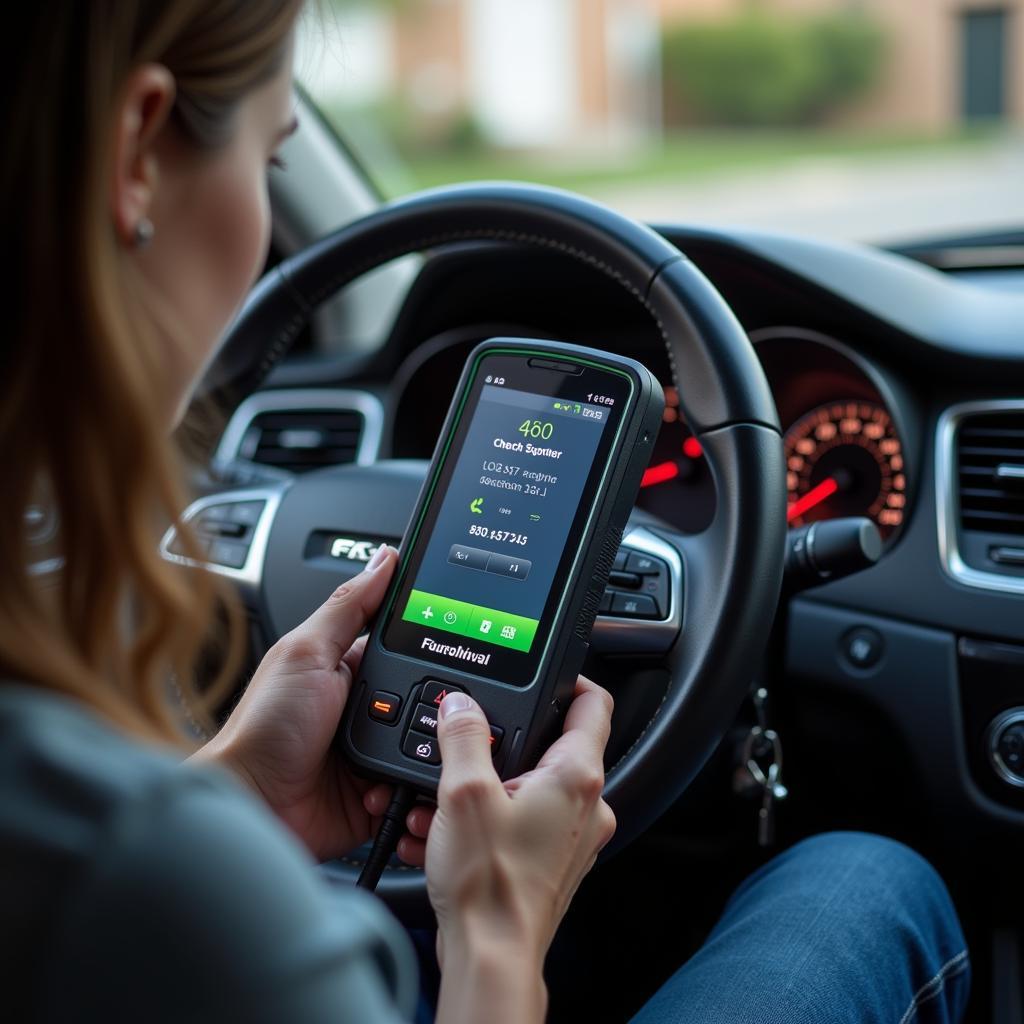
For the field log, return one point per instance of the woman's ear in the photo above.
(141, 117)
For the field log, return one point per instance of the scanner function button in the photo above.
(422, 748)
(434, 691)
(472, 558)
(425, 720)
(384, 706)
(507, 565)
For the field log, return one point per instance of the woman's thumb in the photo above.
(344, 615)
(465, 740)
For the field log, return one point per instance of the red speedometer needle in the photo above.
(815, 496)
(659, 474)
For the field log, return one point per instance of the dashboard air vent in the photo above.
(990, 461)
(299, 440)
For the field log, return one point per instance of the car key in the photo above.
(762, 743)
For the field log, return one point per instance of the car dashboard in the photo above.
(899, 391)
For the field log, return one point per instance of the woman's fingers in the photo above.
(354, 655)
(412, 847)
(418, 821)
(586, 730)
(412, 851)
(377, 798)
(332, 629)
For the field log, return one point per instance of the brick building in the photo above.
(546, 73)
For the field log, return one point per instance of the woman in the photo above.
(135, 887)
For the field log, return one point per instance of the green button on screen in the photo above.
(472, 621)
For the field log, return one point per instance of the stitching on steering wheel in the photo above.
(291, 328)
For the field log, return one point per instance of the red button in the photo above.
(434, 692)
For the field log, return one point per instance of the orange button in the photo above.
(384, 706)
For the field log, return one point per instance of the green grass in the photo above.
(689, 156)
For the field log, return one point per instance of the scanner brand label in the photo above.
(453, 651)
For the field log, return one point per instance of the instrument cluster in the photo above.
(844, 451)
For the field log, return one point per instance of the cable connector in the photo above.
(392, 828)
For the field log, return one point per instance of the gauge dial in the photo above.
(677, 486)
(845, 459)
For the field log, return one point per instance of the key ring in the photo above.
(771, 780)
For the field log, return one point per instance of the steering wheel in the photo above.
(722, 584)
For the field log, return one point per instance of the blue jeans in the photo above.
(844, 927)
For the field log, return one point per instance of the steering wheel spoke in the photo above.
(643, 604)
(232, 529)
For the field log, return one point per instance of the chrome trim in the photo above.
(996, 728)
(297, 399)
(251, 574)
(47, 567)
(870, 372)
(645, 636)
(1008, 471)
(946, 504)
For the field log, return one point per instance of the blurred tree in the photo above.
(756, 69)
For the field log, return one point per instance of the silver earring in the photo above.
(143, 233)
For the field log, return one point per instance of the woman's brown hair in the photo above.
(83, 428)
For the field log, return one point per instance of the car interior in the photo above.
(874, 683)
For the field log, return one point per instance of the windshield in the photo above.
(870, 120)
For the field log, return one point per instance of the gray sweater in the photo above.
(133, 887)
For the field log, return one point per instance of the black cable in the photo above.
(392, 828)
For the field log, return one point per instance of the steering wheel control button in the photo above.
(620, 559)
(246, 512)
(422, 748)
(635, 606)
(384, 707)
(862, 647)
(643, 565)
(629, 580)
(425, 720)
(222, 529)
(472, 558)
(226, 553)
(606, 602)
(214, 514)
(435, 691)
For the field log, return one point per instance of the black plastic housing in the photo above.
(529, 715)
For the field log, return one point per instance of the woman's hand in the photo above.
(504, 859)
(279, 737)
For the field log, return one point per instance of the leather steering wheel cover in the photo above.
(724, 381)
(733, 570)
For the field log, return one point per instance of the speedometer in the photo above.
(845, 459)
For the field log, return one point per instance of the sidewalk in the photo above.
(884, 199)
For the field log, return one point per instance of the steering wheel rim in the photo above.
(733, 569)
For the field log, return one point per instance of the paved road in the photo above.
(883, 199)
